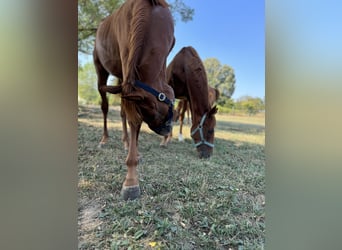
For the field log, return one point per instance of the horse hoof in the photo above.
(180, 137)
(130, 193)
(101, 145)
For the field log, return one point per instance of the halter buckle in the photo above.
(161, 97)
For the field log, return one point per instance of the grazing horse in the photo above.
(133, 44)
(187, 76)
(184, 107)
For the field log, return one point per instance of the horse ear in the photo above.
(213, 111)
(133, 97)
(217, 92)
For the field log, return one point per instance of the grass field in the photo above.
(186, 202)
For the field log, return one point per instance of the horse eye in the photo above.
(210, 131)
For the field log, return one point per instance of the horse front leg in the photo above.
(130, 188)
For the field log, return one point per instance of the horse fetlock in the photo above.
(102, 144)
(164, 143)
(104, 140)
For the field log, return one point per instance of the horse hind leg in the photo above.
(180, 135)
(166, 139)
(188, 114)
(181, 122)
(102, 76)
(124, 130)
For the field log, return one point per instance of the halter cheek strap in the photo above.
(160, 96)
(200, 129)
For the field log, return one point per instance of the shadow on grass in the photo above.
(95, 112)
(240, 127)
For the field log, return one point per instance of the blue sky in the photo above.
(233, 31)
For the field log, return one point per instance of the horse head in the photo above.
(154, 107)
(203, 134)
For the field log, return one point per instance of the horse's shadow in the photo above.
(237, 127)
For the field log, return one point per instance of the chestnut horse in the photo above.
(133, 44)
(187, 76)
(183, 107)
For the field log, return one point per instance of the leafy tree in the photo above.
(250, 105)
(221, 77)
(91, 12)
(87, 86)
(87, 89)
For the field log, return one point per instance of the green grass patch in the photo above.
(186, 202)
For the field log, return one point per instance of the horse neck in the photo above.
(198, 107)
(199, 101)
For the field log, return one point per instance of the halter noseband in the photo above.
(200, 129)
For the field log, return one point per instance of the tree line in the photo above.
(219, 76)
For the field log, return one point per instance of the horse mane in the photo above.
(140, 18)
(197, 63)
(198, 70)
(159, 2)
(138, 25)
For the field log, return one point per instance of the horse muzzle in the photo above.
(204, 153)
(162, 130)
(165, 128)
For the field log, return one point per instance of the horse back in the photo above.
(121, 43)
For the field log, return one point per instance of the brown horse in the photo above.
(133, 44)
(183, 107)
(187, 76)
